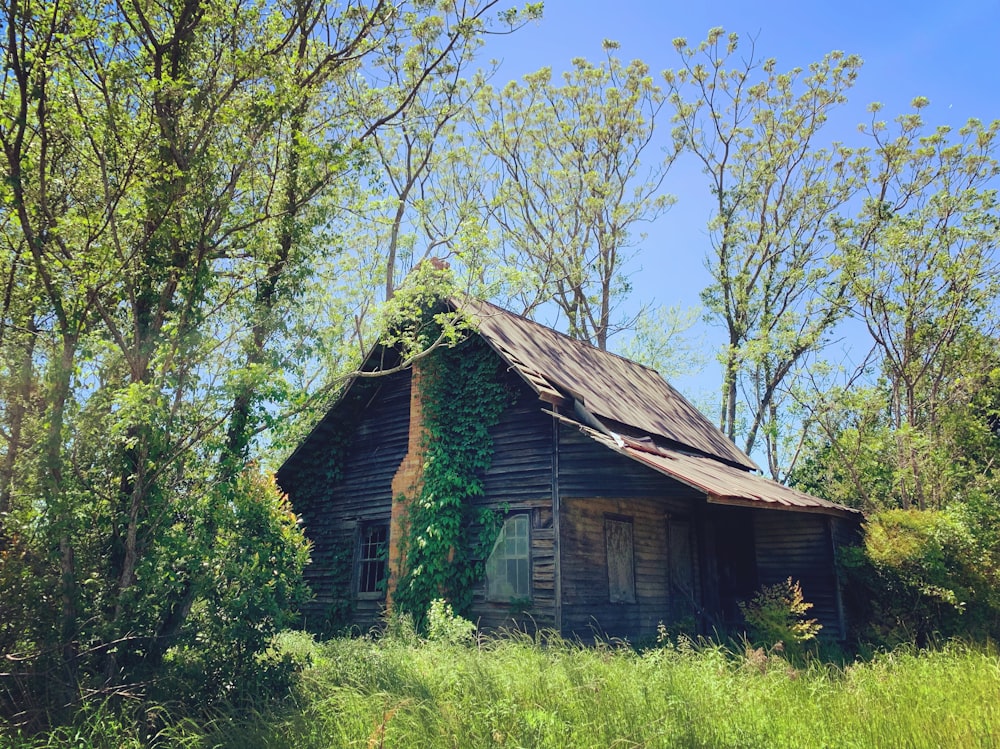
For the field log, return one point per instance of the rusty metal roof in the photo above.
(561, 369)
(723, 484)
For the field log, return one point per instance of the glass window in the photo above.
(372, 558)
(508, 570)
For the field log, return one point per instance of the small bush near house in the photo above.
(777, 614)
(444, 626)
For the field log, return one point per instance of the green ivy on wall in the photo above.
(463, 397)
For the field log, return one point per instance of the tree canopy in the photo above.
(208, 203)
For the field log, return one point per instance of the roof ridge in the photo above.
(570, 338)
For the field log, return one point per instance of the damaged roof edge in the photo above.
(562, 370)
(721, 483)
(836, 510)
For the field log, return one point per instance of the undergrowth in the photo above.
(543, 691)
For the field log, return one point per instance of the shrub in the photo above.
(444, 626)
(777, 614)
(921, 574)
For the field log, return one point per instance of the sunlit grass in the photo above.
(519, 692)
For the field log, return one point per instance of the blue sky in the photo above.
(946, 51)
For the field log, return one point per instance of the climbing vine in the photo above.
(463, 396)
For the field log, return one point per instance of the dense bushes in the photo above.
(923, 574)
(243, 589)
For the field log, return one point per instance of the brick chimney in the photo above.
(407, 482)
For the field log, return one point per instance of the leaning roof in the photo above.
(562, 369)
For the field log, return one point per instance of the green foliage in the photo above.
(463, 396)
(443, 625)
(167, 222)
(552, 694)
(662, 339)
(571, 184)
(777, 189)
(923, 574)
(416, 320)
(253, 588)
(777, 614)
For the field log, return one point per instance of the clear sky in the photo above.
(946, 51)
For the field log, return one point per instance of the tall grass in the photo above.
(517, 691)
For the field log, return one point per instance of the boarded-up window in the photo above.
(621, 574)
(372, 555)
(508, 570)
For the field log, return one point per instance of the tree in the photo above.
(662, 340)
(571, 185)
(911, 427)
(925, 278)
(170, 168)
(777, 282)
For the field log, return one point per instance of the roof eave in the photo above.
(759, 503)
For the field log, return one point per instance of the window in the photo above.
(373, 548)
(508, 570)
(621, 576)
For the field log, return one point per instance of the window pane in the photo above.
(508, 569)
(372, 558)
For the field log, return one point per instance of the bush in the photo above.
(225, 652)
(922, 574)
(777, 614)
(444, 626)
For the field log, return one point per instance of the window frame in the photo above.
(493, 592)
(364, 563)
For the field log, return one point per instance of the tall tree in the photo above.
(572, 185)
(170, 168)
(777, 286)
(925, 276)
(418, 199)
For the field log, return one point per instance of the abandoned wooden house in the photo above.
(619, 504)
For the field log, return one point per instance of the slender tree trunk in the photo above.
(17, 411)
(57, 504)
(727, 420)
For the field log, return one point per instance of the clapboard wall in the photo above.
(599, 487)
(341, 479)
(581, 499)
(800, 546)
(519, 480)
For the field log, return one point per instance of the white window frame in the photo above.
(366, 563)
(508, 568)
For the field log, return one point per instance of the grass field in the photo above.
(521, 692)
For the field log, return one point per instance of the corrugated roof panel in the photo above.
(610, 386)
(723, 484)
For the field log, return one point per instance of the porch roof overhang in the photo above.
(722, 484)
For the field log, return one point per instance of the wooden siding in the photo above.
(595, 482)
(520, 480)
(588, 610)
(533, 455)
(734, 575)
(375, 424)
(799, 546)
(587, 469)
